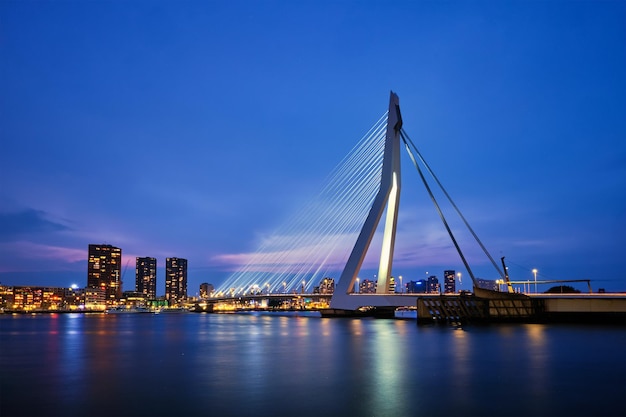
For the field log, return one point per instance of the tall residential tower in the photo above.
(145, 277)
(449, 286)
(104, 267)
(175, 280)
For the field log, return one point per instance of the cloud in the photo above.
(24, 255)
(27, 222)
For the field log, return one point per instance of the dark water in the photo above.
(299, 365)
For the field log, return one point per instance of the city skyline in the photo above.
(195, 130)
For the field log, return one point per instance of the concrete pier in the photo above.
(494, 306)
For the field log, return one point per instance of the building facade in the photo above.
(95, 298)
(367, 287)
(449, 285)
(433, 285)
(104, 267)
(417, 287)
(206, 290)
(327, 286)
(29, 298)
(146, 277)
(175, 280)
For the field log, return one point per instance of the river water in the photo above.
(298, 364)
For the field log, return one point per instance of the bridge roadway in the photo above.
(321, 302)
(580, 307)
(275, 296)
(359, 300)
(594, 301)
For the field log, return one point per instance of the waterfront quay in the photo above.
(264, 302)
(480, 306)
(494, 306)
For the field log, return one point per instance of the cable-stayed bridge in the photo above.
(332, 234)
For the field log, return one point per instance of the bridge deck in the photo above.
(504, 307)
(486, 306)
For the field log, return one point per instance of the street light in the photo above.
(358, 288)
(535, 273)
(401, 287)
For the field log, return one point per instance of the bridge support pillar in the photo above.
(388, 196)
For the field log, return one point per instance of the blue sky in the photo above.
(194, 129)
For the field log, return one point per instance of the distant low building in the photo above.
(367, 287)
(417, 287)
(95, 298)
(327, 286)
(487, 284)
(32, 298)
(133, 298)
(206, 290)
(74, 298)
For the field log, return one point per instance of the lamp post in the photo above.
(535, 273)
(358, 288)
(401, 287)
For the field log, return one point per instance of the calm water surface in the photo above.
(302, 365)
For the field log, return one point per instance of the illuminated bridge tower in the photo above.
(388, 196)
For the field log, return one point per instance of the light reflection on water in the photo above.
(302, 365)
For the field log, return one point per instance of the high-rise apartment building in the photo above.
(175, 280)
(104, 267)
(145, 277)
(449, 286)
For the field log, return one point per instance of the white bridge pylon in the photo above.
(344, 297)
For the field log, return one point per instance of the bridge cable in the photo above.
(443, 219)
(405, 137)
(320, 228)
